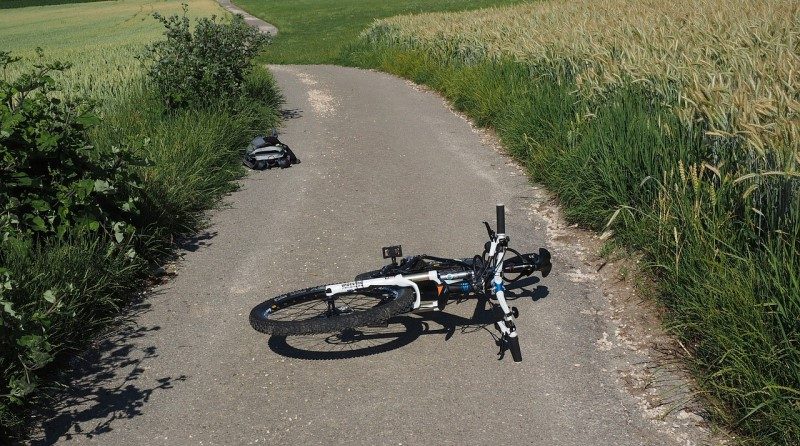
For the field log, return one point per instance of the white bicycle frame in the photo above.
(496, 255)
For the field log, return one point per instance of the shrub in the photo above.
(197, 69)
(67, 208)
(52, 179)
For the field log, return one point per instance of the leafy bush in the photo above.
(67, 208)
(52, 179)
(197, 69)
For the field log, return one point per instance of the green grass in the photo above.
(193, 155)
(315, 31)
(726, 271)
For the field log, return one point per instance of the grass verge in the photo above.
(315, 31)
(726, 270)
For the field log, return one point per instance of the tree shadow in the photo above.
(197, 241)
(402, 330)
(105, 384)
(291, 113)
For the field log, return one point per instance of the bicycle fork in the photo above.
(506, 324)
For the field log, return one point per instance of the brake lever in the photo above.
(492, 235)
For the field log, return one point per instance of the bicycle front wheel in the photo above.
(310, 311)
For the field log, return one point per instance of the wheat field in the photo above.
(731, 65)
(99, 39)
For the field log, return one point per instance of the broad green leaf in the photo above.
(40, 205)
(37, 224)
(8, 308)
(30, 341)
(19, 387)
(83, 188)
(101, 186)
(49, 296)
(87, 120)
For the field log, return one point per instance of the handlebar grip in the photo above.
(513, 346)
(501, 219)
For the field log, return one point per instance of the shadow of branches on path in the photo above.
(105, 384)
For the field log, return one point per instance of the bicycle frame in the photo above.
(496, 255)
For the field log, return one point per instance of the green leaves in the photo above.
(83, 188)
(101, 186)
(49, 296)
(53, 179)
(200, 68)
(20, 386)
(5, 285)
(87, 120)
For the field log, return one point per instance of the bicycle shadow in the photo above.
(404, 329)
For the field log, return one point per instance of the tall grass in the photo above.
(192, 155)
(717, 214)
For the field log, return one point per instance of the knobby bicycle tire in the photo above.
(395, 300)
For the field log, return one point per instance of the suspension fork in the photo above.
(506, 324)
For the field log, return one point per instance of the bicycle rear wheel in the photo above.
(310, 311)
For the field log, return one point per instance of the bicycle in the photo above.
(418, 283)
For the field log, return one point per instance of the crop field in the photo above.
(734, 64)
(673, 125)
(100, 39)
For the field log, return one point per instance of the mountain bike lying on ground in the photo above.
(417, 284)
